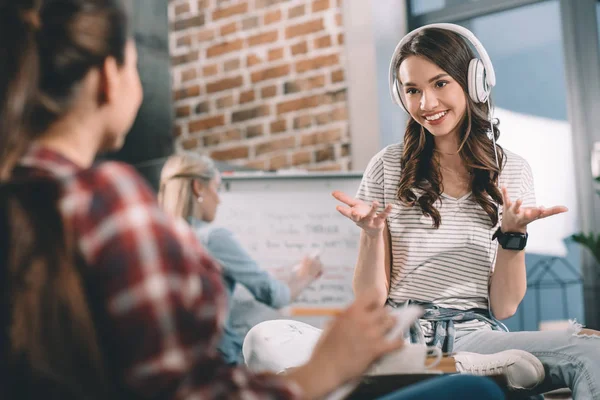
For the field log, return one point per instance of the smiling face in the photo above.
(432, 97)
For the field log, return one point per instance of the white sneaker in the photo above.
(522, 369)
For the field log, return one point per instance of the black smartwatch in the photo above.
(511, 240)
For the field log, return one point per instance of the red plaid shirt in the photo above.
(161, 295)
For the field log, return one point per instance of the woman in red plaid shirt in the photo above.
(104, 295)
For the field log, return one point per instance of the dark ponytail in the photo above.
(19, 74)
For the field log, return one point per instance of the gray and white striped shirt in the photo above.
(449, 267)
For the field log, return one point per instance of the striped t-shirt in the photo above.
(450, 266)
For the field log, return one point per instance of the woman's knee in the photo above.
(278, 344)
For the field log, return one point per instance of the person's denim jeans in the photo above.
(570, 359)
(453, 387)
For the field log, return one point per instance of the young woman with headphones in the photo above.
(444, 214)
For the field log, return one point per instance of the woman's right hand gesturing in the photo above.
(362, 214)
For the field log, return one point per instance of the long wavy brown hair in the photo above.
(420, 167)
(49, 339)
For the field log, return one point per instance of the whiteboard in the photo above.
(281, 218)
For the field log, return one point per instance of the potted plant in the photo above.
(590, 241)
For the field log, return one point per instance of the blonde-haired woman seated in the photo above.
(189, 189)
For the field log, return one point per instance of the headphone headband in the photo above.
(490, 76)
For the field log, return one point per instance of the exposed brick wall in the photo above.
(261, 83)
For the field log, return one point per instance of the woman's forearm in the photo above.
(372, 267)
(296, 286)
(509, 282)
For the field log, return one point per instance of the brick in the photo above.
(224, 84)
(340, 114)
(246, 97)
(298, 104)
(299, 48)
(183, 111)
(322, 42)
(268, 91)
(338, 20)
(250, 23)
(327, 167)
(272, 17)
(304, 28)
(185, 40)
(301, 157)
(206, 35)
(250, 113)
(177, 131)
(263, 38)
(210, 70)
(275, 54)
(202, 4)
(224, 48)
(184, 93)
(232, 153)
(345, 149)
(231, 65)
(275, 145)
(279, 161)
(340, 38)
(189, 74)
(202, 108)
(190, 143)
(231, 135)
(326, 154)
(334, 97)
(320, 5)
(329, 136)
(252, 60)
(212, 139)
(182, 8)
(323, 118)
(303, 121)
(206, 123)
(187, 23)
(297, 11)
(270, 73)
(254, 131)
(257, 164)
(317, 62)
(266, 3)
(304, 84)
(225, 12)
(228, 29)
(278, 126)
(337, 76)
(185, 58)
(224, 102)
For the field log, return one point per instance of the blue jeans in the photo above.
(570, 359)
(454, 387)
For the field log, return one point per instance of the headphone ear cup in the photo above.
(398, 95)
(477, 85)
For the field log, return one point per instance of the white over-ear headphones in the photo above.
(481, 76)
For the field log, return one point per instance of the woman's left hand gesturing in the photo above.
(515, 218)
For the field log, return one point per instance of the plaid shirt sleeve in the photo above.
(161, 295)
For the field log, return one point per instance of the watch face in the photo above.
(513, 242)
